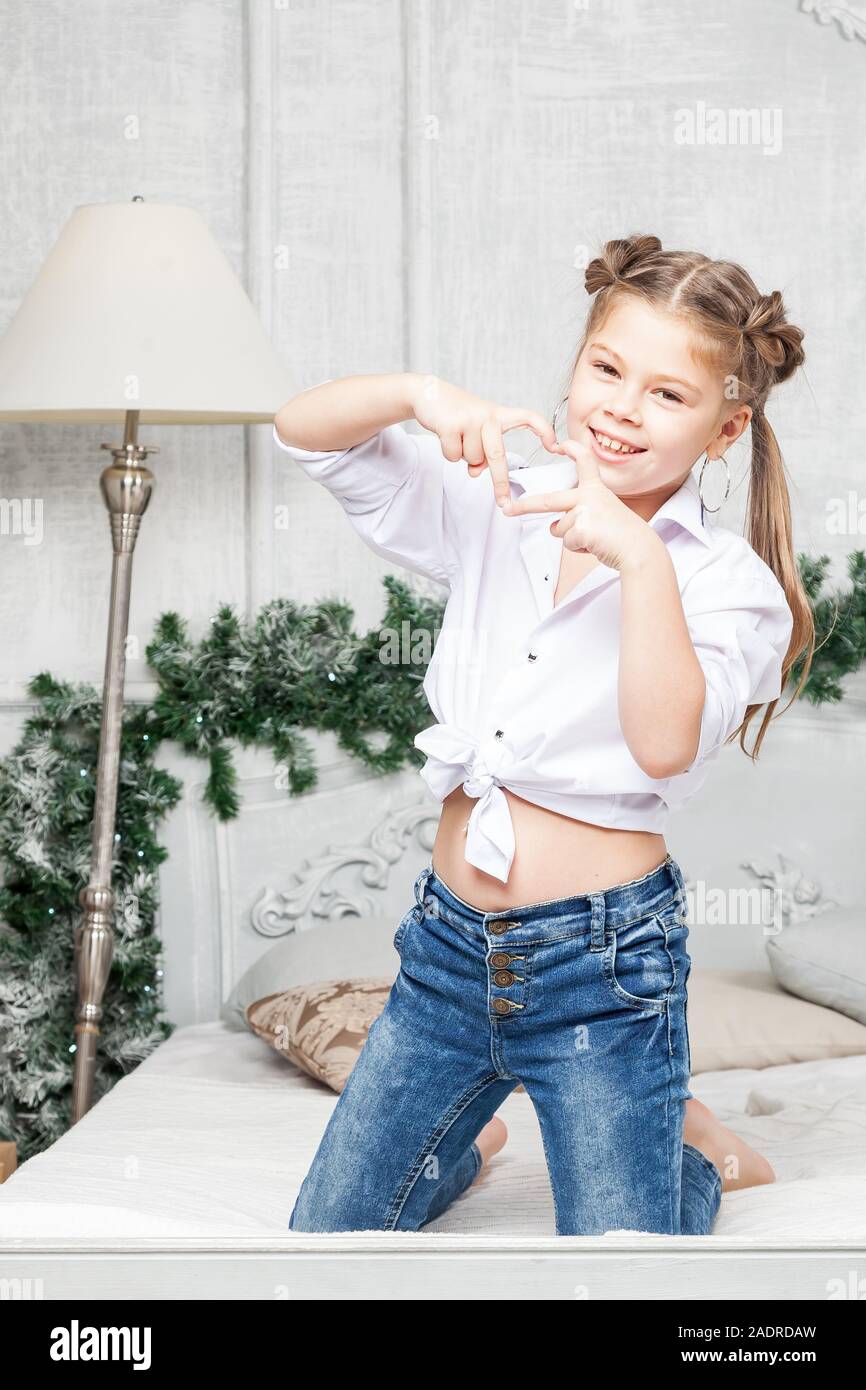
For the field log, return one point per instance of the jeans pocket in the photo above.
(638, 966)
(400, 934)
(673, 914)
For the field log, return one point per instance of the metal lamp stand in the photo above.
(126, 488)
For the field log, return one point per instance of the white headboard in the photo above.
(352, 846)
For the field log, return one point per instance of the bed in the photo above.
(182, 1178)
(180, 1181)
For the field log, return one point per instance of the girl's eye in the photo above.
(605, 366)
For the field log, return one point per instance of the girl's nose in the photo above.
(625, 411)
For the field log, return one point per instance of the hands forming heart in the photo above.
(471, 428)
(596, 521)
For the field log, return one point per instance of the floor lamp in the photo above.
(135, 318)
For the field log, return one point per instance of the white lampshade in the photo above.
(137, 308)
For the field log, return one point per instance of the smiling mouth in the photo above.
(614, 450)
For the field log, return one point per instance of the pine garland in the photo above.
(47, 786)
(840, 629)
(258, 682)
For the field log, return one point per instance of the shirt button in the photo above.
(532, 656)
(499, 733)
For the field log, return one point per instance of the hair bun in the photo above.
(777, 342)
(618, 261)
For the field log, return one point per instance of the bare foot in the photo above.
(491, 1139)
(738, 1163)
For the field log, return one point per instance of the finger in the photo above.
(544, 502)
(452, 447)
(472, 449)
(587, 463)
(571, 541)
(497, 461)
(567, 529)
(515, 417)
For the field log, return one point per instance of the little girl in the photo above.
(586, 674)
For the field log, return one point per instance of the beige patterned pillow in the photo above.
(322, 1026)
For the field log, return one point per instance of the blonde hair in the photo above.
(743, 336)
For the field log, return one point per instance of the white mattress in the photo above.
(213, 1133)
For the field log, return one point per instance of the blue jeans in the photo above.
(583, 1000)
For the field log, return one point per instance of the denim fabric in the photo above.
(583, 1000)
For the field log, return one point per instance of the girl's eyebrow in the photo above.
(689, 385)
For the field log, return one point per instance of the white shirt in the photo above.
(525, 694)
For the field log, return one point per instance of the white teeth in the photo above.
(614, 445)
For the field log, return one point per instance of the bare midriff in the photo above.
(555, 855)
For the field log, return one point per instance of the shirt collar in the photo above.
(683, 506)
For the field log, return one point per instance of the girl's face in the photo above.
(636, 380)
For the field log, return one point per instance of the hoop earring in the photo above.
(556, 415)
(727, 484)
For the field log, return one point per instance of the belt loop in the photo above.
(597, 925)
(421, 884)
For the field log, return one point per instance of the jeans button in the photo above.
(502, 1006)
(503, 977)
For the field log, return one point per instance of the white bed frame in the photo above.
(358, 843)
(410, 1265)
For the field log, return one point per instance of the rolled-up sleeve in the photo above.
(740, 624)
(392, 488)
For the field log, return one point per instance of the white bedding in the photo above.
(213, 1133)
